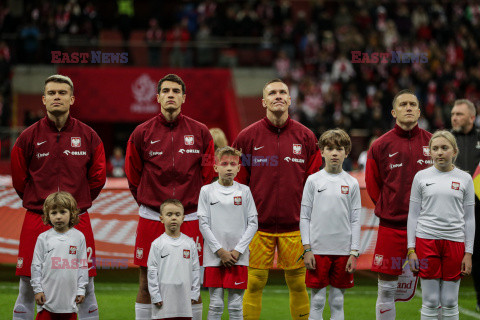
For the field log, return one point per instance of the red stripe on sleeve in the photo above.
(314, 164)
(208, 173)
(372, 180)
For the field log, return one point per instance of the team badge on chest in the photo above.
(426, 151)
(455, 185)
(345, 189)
(188, 140)
(297, 149)
(186, 254)
(73, 250)
(75, 142)
(237, 201)
(139, 253)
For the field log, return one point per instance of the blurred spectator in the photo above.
(154, 38)
(117, 163)
(178, 39)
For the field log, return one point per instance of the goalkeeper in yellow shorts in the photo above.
(279, 154)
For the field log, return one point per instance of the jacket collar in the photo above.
(173, 123)
(52, 125)
(274, 128)
(406, 134)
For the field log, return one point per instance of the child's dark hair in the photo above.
(335, 138)
(176, 202)
(61, 200)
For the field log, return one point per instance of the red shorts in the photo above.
(47, 315)
(390, 251)
(33, 226)
(235, 277)
(149, 230)
(440, 259)
(330, 269)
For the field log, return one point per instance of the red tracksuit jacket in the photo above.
(275, 164)
(169, 160)
(45, 160)
(392, 162)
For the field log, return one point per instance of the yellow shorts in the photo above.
(289, 248)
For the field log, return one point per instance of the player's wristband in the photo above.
(410, 251)
(355, 253)
(303, 254)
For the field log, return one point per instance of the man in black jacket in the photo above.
(468, 140)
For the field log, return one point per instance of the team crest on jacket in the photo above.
(76, 142)
(237, 201)
(73, 250)
(426, 151)
(345, 189)
(19, 263)
(297, 149)
(139, 253)
(186, 254)
(455, 185)
(188, 140)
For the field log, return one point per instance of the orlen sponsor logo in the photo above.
(182, 151)
(155, 153)
(288, 159)
(41, 155)
(75, 153)
(396, 165)
(421, 161)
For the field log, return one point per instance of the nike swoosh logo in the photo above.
(322, 190)
(212, 203)
(40, 143)
(49, 250)
(429, 184)
(164, 256)
(383, 311)
(92, 310)
(391, 155)
(239, 283)
(153, 142)
(255, 148)
(303, 315)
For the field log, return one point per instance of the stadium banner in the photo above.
(130, 95)
(114, 218)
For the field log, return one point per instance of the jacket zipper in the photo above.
(277, 177)
(173, 159)
(58, 147)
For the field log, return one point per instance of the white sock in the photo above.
(88, 310)
(235, 301)
(385, 307)
(215, 309)
(25, 305)
(335, 300)
(317, 303)
(449, 299)
(143, 311)
(197, 311)
(430, 298)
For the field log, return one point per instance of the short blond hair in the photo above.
(450, 138)
(61, 200)
(335, 138)
(219, 153)
(58, 78)
(470, 105)
(175, 202)
(219, 138)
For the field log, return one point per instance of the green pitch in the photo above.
(116, 292)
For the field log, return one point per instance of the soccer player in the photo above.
(278, 155)
(169, 156)
(468, 139)
(57, 153)
(173, 267)
(441, 228)
(330, 226)
(59, 266)
(228, 222)
(392, 161)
